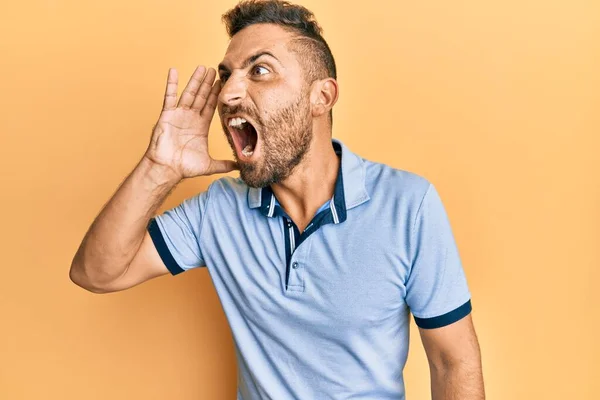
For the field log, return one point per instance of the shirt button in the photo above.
(295, 265)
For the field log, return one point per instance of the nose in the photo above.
(232, 92)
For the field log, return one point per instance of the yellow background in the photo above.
(495, 102)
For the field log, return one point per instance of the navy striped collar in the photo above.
(350, 189)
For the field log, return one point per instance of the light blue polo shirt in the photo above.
(324, 313)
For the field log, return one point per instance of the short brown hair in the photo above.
(295, 18)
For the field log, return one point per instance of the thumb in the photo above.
(221, 166)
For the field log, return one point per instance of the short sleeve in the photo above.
(176, 234)
(436, 288)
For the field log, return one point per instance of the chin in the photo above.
(249, 175)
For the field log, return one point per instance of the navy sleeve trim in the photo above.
(163, 250)
(446, 319)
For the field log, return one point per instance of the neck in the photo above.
(311, 184)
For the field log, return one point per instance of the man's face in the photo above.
(264, 85)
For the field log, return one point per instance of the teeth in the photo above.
(237, 122)
(248, 150)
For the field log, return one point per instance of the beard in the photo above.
(285, 138)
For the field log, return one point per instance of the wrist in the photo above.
(159, 174)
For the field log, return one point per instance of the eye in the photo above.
(223, 77)
(259, 70)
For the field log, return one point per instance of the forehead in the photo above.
(256, 38)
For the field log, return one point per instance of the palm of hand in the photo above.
(180, 137)
(181, 141)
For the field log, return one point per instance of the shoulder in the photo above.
(395, 184)
(228, 184)
(228, 189)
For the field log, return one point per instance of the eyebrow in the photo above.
(249, 60)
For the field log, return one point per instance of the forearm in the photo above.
(457, 382)
(117, 232)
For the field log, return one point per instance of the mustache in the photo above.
(239, 109)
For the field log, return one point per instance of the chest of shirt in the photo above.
(343, 274)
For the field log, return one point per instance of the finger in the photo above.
(211, 102)
(189, 93)
(221, 166)
(205, 89)
(171, 91)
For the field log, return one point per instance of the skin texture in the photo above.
(285, 136)
(454, 361)
(117, 252)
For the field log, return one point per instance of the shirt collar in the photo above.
(350, 188)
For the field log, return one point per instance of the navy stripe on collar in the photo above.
(337, 202)
(353, 182)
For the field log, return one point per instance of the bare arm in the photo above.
(454, 361)
(116, 234)
(117, 252)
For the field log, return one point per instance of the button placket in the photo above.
(296, 268)
(296, 281)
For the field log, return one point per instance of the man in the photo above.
(318, 256)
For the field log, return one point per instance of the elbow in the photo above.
(79, 276)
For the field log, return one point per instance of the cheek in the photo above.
(272, 95)
(267, 104)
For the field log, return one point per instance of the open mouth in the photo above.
(244, 136)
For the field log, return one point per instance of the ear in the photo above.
(324, 95)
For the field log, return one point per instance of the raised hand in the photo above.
(180, 137)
